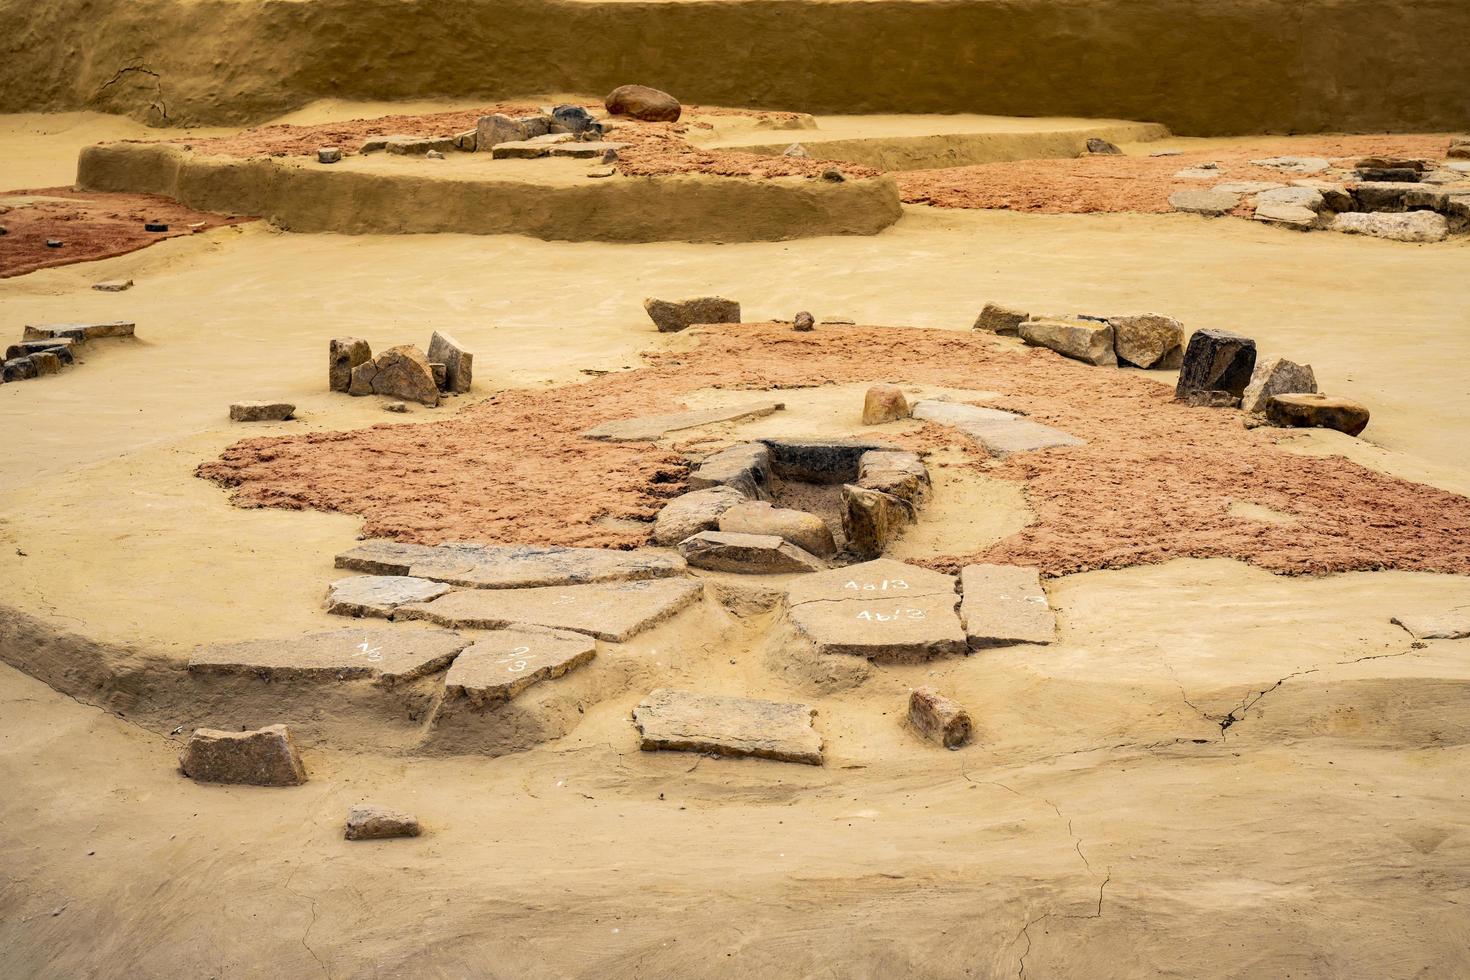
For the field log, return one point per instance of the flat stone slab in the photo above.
(614, 611)
(884, 610)
(1452, 625)
(80, 331)
(652, 428)
(1004, 604)
(508, 567)
(682, 721)
(385, 655)
(998, 433)
(749, 554)
(506, 662)
(379, 595)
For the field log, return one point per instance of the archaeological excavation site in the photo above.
(724, 488)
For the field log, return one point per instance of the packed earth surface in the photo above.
(502, 536)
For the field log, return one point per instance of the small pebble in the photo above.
(433, 155)
(328, 154)
(53, 243)
(395, 407)
(804, 322)
(835, 176)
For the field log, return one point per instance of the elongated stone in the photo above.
(609, 611)
(387, 656)
(745, 467)
(459, 364)
(721, 725)
(762, 554)
(806, 531)
(1082, 340)
(1317, 412)
(938, 718)
(508, 566)
(671, 317)
(80, 331)
(1004, 604)
(895, 472)
(872, 519)
(264, 757)
(370, 822)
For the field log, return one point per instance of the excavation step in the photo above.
(505, 663)
(652, 428)
(687, 722)
(508, 567)
(608, 611)
(387, 656)
(884, 610)
(1004, 604)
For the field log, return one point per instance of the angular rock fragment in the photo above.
(872, 519)
(938, 718)
(690, 513)
(494, 129)
(369, 822)
(329, 154)
(81, 332)
(745, 467)
(806, 531)
(1451, 625)
(1083, 340)
(574, 118)
(1213, 202)
(459, 364)
(614, 611)
(506, 662)
(1000, 320)
(18, 369)
(1003, 605)
(1217, 367)
(466, 142)
(264, 757)
(534, 126)
(1389, 174)
(441, 375)
(687, 722)
(261, 411)
(653, 427)
(1418, 227)
(749, 554)
(827, 461)
(379, 595)
(45, 362)
(1317, 412)
(403, 372)
(362, 379)
(895, 472)
(1098, 146)
(1148, 340)
(1459, 148)
(642, 102)
(344, 354)
(1276, 376)
(884, 403)
(883, 610)
(671, 317)
(797, 151)
(386, 656)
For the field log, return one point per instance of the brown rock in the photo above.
(1001, 320)
(261, 411)
(688, 722)
(939, 718)
(264, 757)
(871, 519)
(404, 372)
(745, 467)
(45, 362)
(367, 822)
(642, 102)
(807, 531)
(671, 317)
(1148, 340)
(495, 129)
(1276, 376)
(362, 379)
(804, 322)
(440, 373)
(884, 403)
(699, 510)
(343, 355)
(1317, 412)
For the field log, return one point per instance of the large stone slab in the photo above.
(264, 757)
(1419, 227)
(745, 467)
(1004, 604)
(387, 656)
(998, 433)
(690, 513)
(819, 460)
(80, 331)
(749, 554)
(608, 611)
(651, 428)
(1453, 624)
(379, 595)
(509, 566)
(807, 531)
(1003, 321)
(1317, 411)
(884, 610)
(720, 725)
(1217, 367)
(506, 662)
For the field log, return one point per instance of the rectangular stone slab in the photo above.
(652, 428)
(1451, 625)
(998, 433)
(509, 567)
(79, 331)
(385, 655)
(1004, 604)
(505, 663)
(609, 611)
(686, 722)
(888, 629)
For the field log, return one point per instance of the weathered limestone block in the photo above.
(895, 472)
(1001, 320)
(884, 403)
(643, 102)
(1084, 340)
(1276, 376)
(264, 757)
(537, 125)
(827, 461)
(1317, 412)
(81, 332)
(1417, 227)
(747, 554)
(261, 411)
(807, 531)
(998, 433)
(384, 656)
(745, 467)
(459, 364)
(506, 662)
(883, 610)
(1292, 216)
(612, 611)
(1389, 196)
(366, 821)
(45, 362)
(687, 722)
(1217, 367)
(938, 718)
(871, 519)
(404, 372)
(1004, 604)
(671, 317)
(492, 130)
(690, 513)
(379, 595)
(343, 355)
(1148, 340)
(1211, 203)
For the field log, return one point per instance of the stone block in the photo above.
(690, 513)
(872, 519)
(379, 595)
(45, 362)
(588, 150)
(403, 372)
(671, 317)
(938, 718)
(747, 554)
(113, 285)
(81, 332)
(1317, 412)
(1276, 376)
(745, 467)
(884, 403)
(895, 472)
(1212, 203)
(1003, 605)
(614, 611)
(1083, 340)
(883, 610)
(643, 103)
(495, 129)
(369, 822)
(1453, 624)
(1217, 367)
(1417, 227)
(261, 411)
(806, 531)
(385, 656)
(343, 355)
(1000, 320)
(720, 725)
(1148, 340)
(459, 364)
(653, 427)
(264, 757)
(520, 150)
(504, 663)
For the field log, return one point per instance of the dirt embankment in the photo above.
(1200, 68)
(1155, 480)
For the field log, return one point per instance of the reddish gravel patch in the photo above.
(1154, 482)
(90, 225)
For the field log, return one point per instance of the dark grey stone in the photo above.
(574, 118)
(1217, 367)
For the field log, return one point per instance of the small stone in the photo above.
(938, 718)
(601, 172)
(403, 372)
(761, 554)
(1001, 320)
(368, 822)
(872, 519)
(833, 176)
(261, 411)
(399, 407)
(687, 722)
(433, 155)
(1082, 340)
(804, 322)
(1098, 146)
(343, 355)
(690, 513)
(492, 130)
(459, 364)
(744, 467)
(329, 154)
(884, 403)
(113, 285)
(1419, 227)
(155, 226)
(379, 595)
(807, 531)
(1276, 376)
(54, 243)
(264, 757)
(467, 141)
(1004, 605)
(643, 103)
(575, 118)
(506, 662)
(895, 472)
(1148, 340)
(1317, 412)
(671, 317)
(796, 150)
(45, 362)
(1217, 366)
(610, 155)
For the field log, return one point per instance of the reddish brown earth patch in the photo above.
(91, 225)
(1154, 482)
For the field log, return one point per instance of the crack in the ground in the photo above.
(311, 925)
(158, 104)
(1238, 713)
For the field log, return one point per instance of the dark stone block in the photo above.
(18, 369)
(1397, 174)
(818, 460)
(1217, 367)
